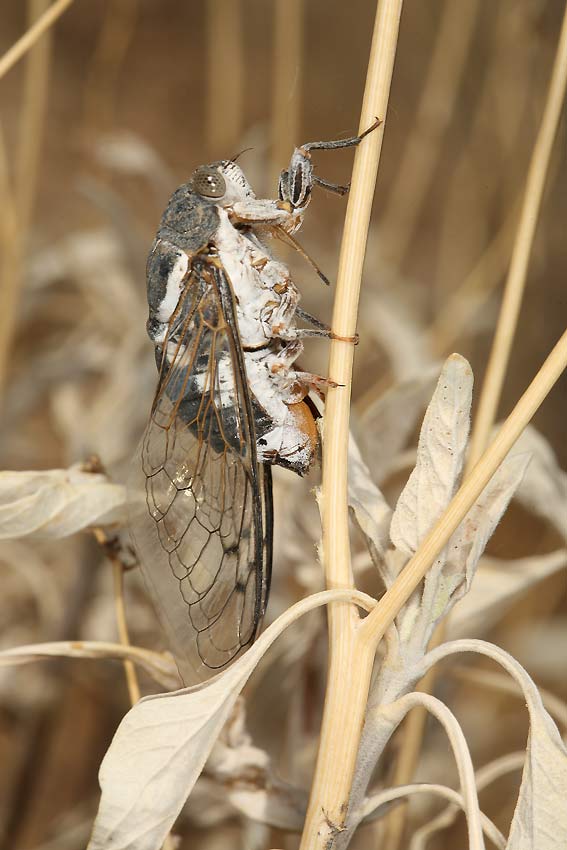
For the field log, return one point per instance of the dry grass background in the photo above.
(96, 133)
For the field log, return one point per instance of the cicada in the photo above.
(230, 403)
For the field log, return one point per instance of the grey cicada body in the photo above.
(229, 404)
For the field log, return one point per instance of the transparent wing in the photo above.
(201, 507)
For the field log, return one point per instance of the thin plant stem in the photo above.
(434, 112)
(349, 669)
(120, 611)
(8, 227)
(374, 626)
(287, 81)
(29, 38)
(446, 328)
(32, 119)
(225, 75)
(129, 669)
(30, 137)
(116, 33)
(515, 283)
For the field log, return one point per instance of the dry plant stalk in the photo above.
(353, 642)
(350, 660)
(116, 33)
(287, 80)
(433, 114)
(30, 138)
(498, 363)
(20, 48)
(514, 288)
(119, 607)
(225, 78)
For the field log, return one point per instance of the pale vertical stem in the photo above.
(225, 76)
(434, 111)
(287, 82)
(120, 612)
(124, 637)
(32, 118)
(116, 33)
(29, 38)
(8, 221)
(30, 137)
(350, 662)
(9, 243)
(515, 282)
(378, 620)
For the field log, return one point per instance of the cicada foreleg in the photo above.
(296, 184)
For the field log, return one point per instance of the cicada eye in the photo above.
(208, 182)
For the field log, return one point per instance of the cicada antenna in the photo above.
(239, 154)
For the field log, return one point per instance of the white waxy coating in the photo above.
(252, 286)
(174, 288)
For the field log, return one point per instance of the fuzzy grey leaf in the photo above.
(441, 450)
(469, 540)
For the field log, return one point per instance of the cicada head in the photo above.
(222, 182)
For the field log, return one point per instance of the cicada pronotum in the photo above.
(229, 404)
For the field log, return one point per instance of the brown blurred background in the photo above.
(126, 100)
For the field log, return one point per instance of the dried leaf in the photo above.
(440, 456)
(386, 426)
(496, 586)
(540, 817)
(58, 502)
(467, 544)
(381, 721)
(393, 324)
(371, 511)
(544, 487)
(245, 775)
(163, 742)
(158, 666)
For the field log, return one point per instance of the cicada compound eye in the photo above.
(208, 182)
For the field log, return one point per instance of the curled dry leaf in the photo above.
(245, 775)
(159, 667)
(163, 742)
(380, 723)
(58, 502)
(540, 816)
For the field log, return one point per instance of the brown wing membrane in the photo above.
(202, 507)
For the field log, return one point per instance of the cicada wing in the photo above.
(201, 504)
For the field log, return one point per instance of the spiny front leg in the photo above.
(296, 183)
